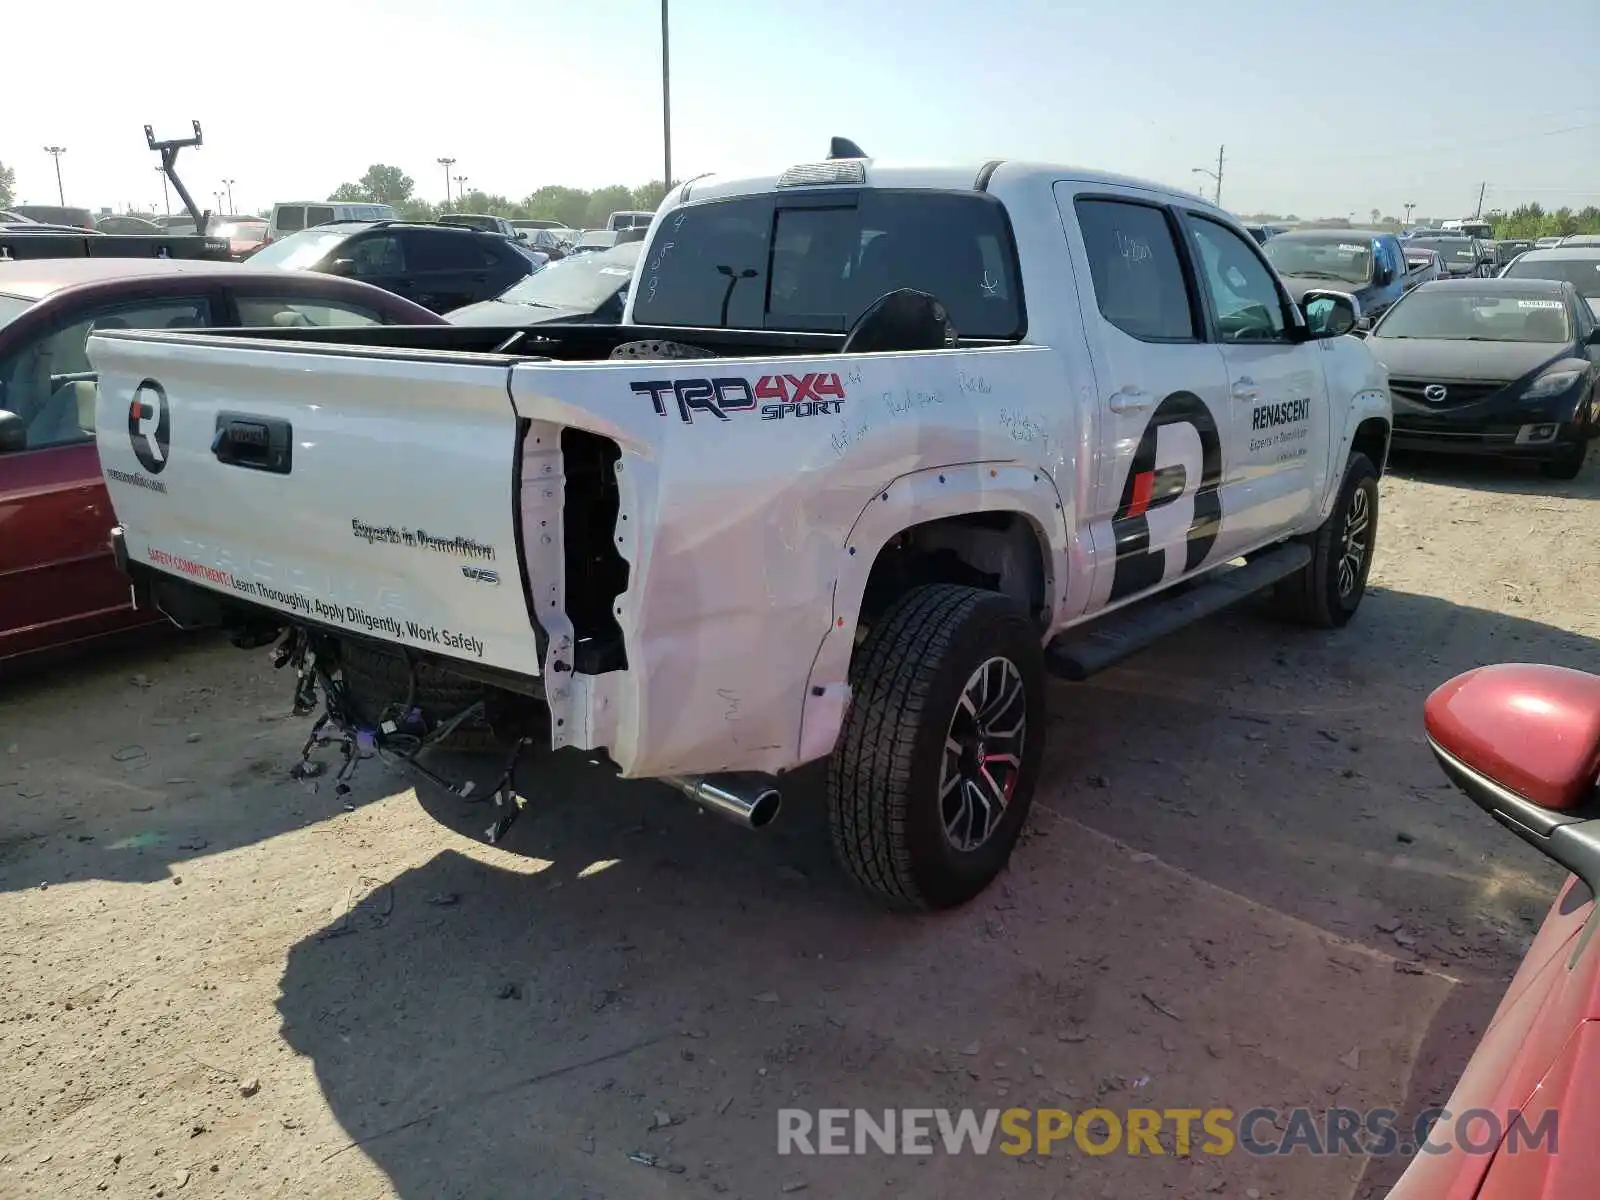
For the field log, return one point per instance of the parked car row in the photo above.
(58, 583)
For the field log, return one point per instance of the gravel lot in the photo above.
(221, 982)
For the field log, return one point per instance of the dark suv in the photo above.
(440, 267)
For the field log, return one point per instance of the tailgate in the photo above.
(364, 489)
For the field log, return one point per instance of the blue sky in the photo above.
(1325, 110)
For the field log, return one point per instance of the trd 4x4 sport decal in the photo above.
(1151, 484)
(816, 394)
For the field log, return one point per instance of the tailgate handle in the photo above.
(258, 443)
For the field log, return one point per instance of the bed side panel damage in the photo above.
(738, 484)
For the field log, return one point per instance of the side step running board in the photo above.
(1079, 653)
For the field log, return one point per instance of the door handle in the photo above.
(1244, 388)
(256, 443)
(1128, 400)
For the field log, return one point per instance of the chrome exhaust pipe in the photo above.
(751, 800)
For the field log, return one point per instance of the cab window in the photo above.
(1244, 295)
(1136, 269)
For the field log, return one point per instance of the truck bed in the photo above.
(17, 245)
(505, 500)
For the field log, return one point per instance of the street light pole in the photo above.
(461, 189)
(1217, 174)
(56, 152)
(446, 163)
(166, 196)
(1409, 206)
(666, 100)
(228, 183)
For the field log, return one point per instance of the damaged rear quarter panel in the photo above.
(737, 526)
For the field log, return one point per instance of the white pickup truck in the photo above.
(874, 449)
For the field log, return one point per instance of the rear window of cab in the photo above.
(814, 261)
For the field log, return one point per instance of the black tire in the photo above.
(884, 808)
(1569, 466)
(1321, 595)
(376, 679)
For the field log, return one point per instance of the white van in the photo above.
(629, 220)
(303, 214)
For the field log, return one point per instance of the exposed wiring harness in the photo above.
(401, 734)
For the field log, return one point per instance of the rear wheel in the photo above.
(933, 775)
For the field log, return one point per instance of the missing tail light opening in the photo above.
(596, 573)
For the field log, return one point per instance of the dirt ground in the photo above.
(221, 982)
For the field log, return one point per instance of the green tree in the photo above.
(382, 184)
(648, 196)
(605, 201)
(8, 185)
(556, 203)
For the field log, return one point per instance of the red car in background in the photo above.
(244, 237)
(1524, 743)
(58, 583)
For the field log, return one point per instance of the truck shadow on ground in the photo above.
(519, 1026)
(123, 764)
(1495, 475)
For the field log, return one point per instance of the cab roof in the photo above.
(883, 173)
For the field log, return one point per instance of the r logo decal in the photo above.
(1152, 484)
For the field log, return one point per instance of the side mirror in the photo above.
(13, 432)
(342, 266)
(1383, 276)
(1329, 314)
(1523, 742)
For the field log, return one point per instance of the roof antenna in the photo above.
(844, 148)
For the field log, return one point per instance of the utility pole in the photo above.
(446, 163)
(228, 183)
(1216, 175)
(666, 101)
(1410, 204)
(1482, 188)
(166, 196)
(56, 152)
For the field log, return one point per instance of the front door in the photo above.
(58, 582)
(1276, 387)
(1158, 422)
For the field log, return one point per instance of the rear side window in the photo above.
(815, 262)
(1136, 271)
(291, 218)
(435, 250)
(293, 311)
(318, 214)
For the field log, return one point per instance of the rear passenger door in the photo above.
(1276, 388)
(1158, 423)
(447, 269)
